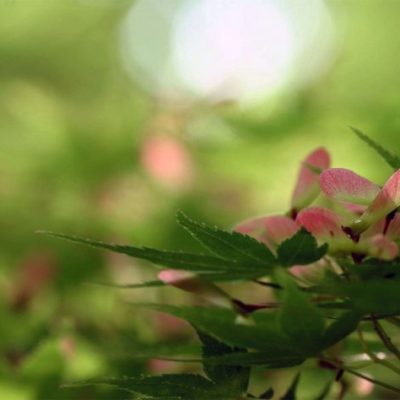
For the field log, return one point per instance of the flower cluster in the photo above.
(353, 215)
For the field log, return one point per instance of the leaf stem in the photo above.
(360, 375)
(373, 356)
(385, 338)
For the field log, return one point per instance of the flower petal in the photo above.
(324, 224)
(309, 274)
(271, 230)
(393, 231)
(380, 246)
(307, 186)
(344, 185)
(387, 200)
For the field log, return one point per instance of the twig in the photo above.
(385, 338)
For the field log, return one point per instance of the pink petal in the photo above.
(345, 185)
(380, 246)
(271, 230)
(393, 231)
(321, 222)
(307, 186)
(387, 200)
(309, 274)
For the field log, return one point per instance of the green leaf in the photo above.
(200, 263)
(155, 283)
(392, 159)
(267, 395)
(300, 319)
(168, 387)
(300, 249)
(261, 332)
(325, 391)
(341, 327)
(269, 359)
(230, 245)
(291, 393)
(235, 378)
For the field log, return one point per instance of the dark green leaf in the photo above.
(392, 159)
(267, 395)
(261, 332)
(230, 245)
(300, 249)
(341, 327)
(291, 393)
(186, 261)
(268, 359)
(300, 319)
(171, 387)
(154, 283)
(235, 378)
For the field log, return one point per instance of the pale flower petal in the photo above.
(387, 200)
(380, 246)
(271, 230)
(344, 185)
(307, 186)
(324, 224)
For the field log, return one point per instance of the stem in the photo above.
(367, 378)
(385, 338)
(373, 356)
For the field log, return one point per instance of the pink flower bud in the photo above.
(307, 186)
(344, 185)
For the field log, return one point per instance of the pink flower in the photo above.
(368, 226)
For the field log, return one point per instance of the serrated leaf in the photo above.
(391, 159)
(200, 263)
(168, 387)
(300, 249)
(301, 320)
(230, 245)
(291, 392)
(234, 378)
(261, 333)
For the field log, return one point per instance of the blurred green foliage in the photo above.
(72, 124)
